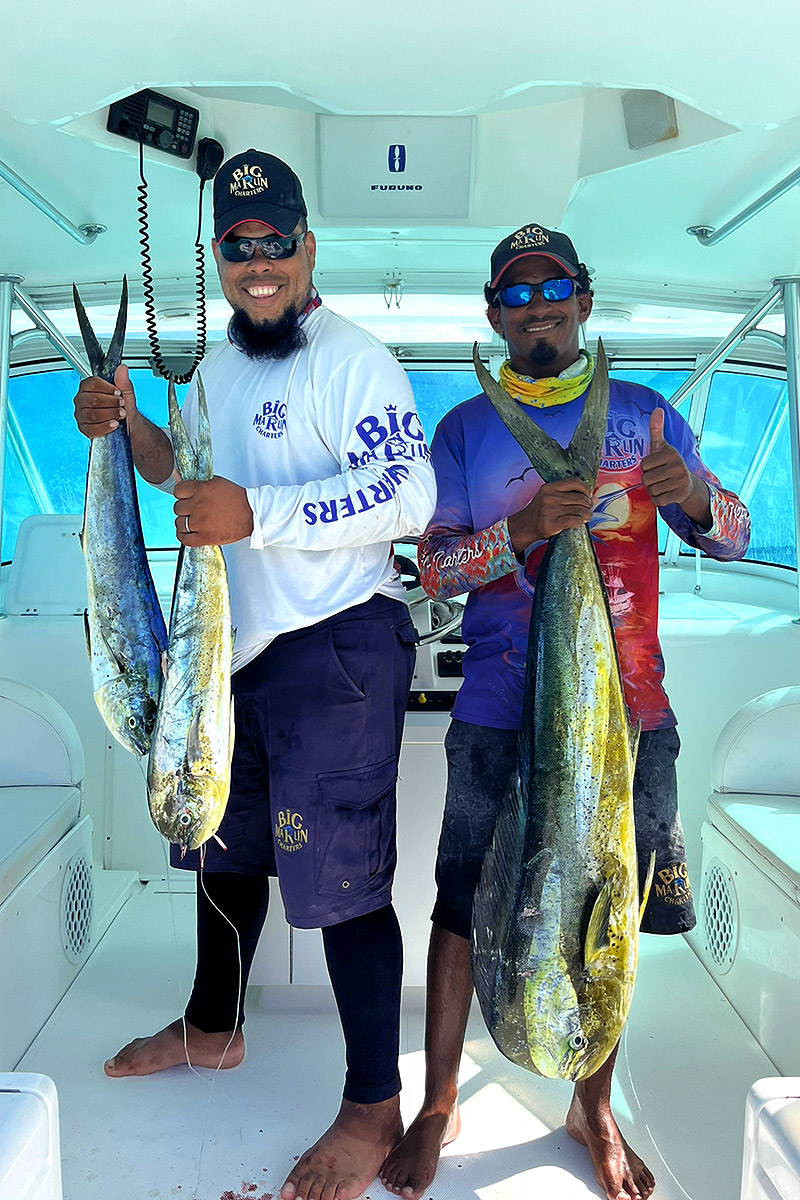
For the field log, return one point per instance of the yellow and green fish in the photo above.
(557, 911)
(189, 771)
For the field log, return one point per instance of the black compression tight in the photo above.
(365, 963)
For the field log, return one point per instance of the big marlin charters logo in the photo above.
(290, 835)
(528, 236)
(247, 181)
(271, 421)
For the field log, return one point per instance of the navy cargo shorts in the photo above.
(479, 765)
(319, 720)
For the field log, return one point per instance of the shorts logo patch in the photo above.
(289, 832)
(674, 887)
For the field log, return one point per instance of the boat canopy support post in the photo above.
(7, 285)
(701, 373)
(748, 322)
(790, 287)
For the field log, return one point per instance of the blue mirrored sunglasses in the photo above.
(519, 294)
(243, 249)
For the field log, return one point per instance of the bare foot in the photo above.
(411, 1166)
(619, 1171)
(346, 1159)
(145, 1056)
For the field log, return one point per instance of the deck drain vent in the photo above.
(77, 896)
(721, 915)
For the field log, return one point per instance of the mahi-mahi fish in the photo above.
(125, 631)
(556, 915)
(188, 775)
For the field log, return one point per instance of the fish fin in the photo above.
(205, 460)
(585, 449)
(115, 347)
(88, 633)
(193, 748)
(185, 457)
(597, 933)
(548, 458)
(634, 732)
(94, 352)
(651, 869)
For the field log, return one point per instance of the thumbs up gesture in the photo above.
(664, 473)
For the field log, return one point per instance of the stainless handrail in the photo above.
(726, 345)
(790, 286)
(708, 236)
(85, 234)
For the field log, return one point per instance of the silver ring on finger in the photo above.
(186, 523)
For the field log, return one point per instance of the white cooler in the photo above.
(30, 1162)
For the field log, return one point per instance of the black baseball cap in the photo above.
(533, 239)
(253, 186)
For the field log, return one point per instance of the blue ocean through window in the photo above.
(745, 441)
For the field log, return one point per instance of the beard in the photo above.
(541, 354)
(267, 339)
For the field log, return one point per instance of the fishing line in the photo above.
(201, 881)
(180, 984)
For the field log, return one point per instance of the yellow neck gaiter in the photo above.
(543, 393)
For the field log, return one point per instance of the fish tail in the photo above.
(585, 449)
(651, 870)
(548, 458)
(185, 457)
(205, 461)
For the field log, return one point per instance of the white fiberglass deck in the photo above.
(683, 1076)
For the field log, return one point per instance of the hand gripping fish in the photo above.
(125, 631)
(555, 921)
(189, 772)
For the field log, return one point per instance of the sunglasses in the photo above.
(519, 294)
(237, 250)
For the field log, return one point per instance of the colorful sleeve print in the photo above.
(460, 551)
(452, 564)
(729, 535)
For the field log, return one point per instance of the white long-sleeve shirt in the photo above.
(329, 446)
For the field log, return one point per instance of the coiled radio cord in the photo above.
(147, 284)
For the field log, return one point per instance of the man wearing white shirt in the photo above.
(320, 463)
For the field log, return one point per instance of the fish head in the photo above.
(562, 1047)
(129, 712)
(559, 1032)
(189, 813)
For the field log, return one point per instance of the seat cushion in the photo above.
(39, 743)
(32, 819)
(767, 831)
(757, 749)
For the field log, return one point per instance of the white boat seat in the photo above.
(767, 831)
(33, 820)
(41, 772)
(756, 779)
(39, 744)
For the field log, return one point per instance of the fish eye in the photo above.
(578, 1042)
(185, 818)
(132, 722)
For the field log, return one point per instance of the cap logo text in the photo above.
(247, 180)
(529, 235)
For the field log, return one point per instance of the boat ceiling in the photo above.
(543, 83)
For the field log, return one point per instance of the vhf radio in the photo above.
(155, 120)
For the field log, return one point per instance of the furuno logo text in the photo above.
(396, 187)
